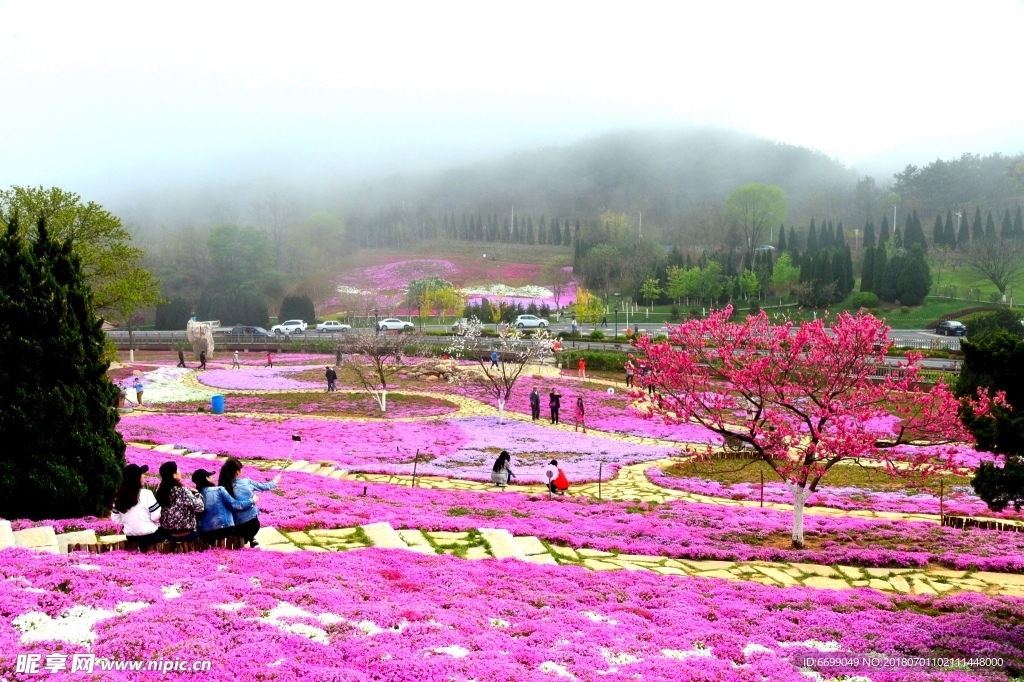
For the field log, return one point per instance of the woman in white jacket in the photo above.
(136, 509)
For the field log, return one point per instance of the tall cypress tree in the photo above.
(879, 270)
(782, 239)
(848, 268)
(950, 230)
(990, 227)
(793, 243)
(883, 234)
(938, 232)
(542, 231)
(963, 238)
(840, 236)
(812, 240)
(827, 238)
(58, 409)
(1018, 224)
(897, 239)
(867, 269)
(869, 234)
(567, 239)
(1007, 229)
(977, 231)
(530, 239)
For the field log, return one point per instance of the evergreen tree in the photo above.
(464, 232)
(869, 234)
(827, 240)
(884, 233)
(950, 232)
(782, 239)
(964, 238)
(897, 239)
(839, 272)
(480, 234)
(297, 308)
(542, 231)
(848, 269)
(840, 236)
(990, 227)
(1006, 232)
(867, 268)
(556, 232)
(529, 231)
(812, 240)
(977, 233)
(879, 269)
(58, 409)
(567, 239)
(1018, 225)
(938, 232)
(919, 238)
(173, 315)
(908, 231)
(794, 245)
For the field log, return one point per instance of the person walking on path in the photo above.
(555, 478)
(247, 522)
(234, 361)
(582, 372)
(270, 361)
(181, 358)
(202, 359)
(580, 415)
(629, 375)
(604, 321)
(332, 376)
(501, 474)
(643, 380)
(535, 404)
(180, 505)
(494, 359)
(573, 326)
(554, 402)
(138, 390)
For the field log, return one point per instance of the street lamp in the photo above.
(616, 320)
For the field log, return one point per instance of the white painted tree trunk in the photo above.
(382, 400)
(501, 411)
(800, 495)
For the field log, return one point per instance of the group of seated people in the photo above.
(211, 512)
(554, 478)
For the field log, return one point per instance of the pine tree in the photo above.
(530, 239)
(57, 406)
(879, 269)
(977, 231)
(938, 232)
(869, 234)
(516, 236)
(567, 239)
(964, 238)
(542, 231)
(1018, 225)
(867, 269)
(990, 227)
(848, 269)
(918, 235)
(1006, 232)
(480, 234)
(556, 232)
(812, 240)
(840, 236)
(897, 239)
(782, 239)
(950, 232)
(794, 245)
(884, 233)
(827, 240)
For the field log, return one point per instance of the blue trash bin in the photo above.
(217, 404)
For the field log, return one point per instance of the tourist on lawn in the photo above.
(136, 509)
(332, 376)
(494, 358)
(270, 361)
(629, 375)
(501, 474)
(180, 505)
(181, 358)
(554, 403)
(218, 521)
(580, 415)
(202, 359)
(138, 389)
(247, 522)
(535, 404)
(235, 364)
(555, 478)
(582, 369)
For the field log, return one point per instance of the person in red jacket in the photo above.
(270, 361)
(555, 478)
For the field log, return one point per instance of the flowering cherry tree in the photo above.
(515, 351)
(375, 359)
(801, 399)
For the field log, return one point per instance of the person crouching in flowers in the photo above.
(217, 522)
(501, 474)
(555, 478)
(247, 521)
(136, 509)
(179, 505)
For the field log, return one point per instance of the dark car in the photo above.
(248, 331)
(950, 328)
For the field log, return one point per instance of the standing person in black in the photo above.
(535, 404)
(181, 358)
(555, 403)
(332, 376)
(202, 359)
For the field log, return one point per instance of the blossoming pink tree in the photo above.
(801, 399)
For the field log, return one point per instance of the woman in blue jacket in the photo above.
(247, 521)
(217, 522)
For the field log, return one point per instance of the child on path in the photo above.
(580, 415)
(555, 478)
(234, 361)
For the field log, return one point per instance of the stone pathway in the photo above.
(499, 543)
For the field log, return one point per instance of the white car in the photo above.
(393, 324)
(289, 327)
(529, 321)
(333, 326)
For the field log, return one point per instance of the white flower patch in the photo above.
(696, 652)
(598, 618)
(164, 385)
(171, 591)
(350, 290)
(499, 623)
(557, 669)
(754, 649)
(311, 632)
(455, 651)
(230, 606)
(619, 658)
(255, 581)
(74, 626)
(529, 291)
(814, 644)
(86, 567)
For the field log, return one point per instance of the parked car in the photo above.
(460, 324)
(950, 328)
(289, 327)
(333, 326)
(530, 321)
(393, 324)
(248, 331)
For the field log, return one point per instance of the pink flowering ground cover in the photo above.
(394, 615)
(459, 447)
(257, 378)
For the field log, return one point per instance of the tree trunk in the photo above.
(382, 399)
(501, 411)
(800, 495)
(131, 343)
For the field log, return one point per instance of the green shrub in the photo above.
(595, 359)
(877, 312)
(673, 313)
(297, 308)
(904, 309)
(596, 335)
(1005, 319)
(864, 299)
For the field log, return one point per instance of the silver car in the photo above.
(530, 322)
(393, 324)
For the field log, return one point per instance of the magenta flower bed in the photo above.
(394, 615)
(462, 448)
(956, 501)
(257, 378)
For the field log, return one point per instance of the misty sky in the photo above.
(102, 96)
